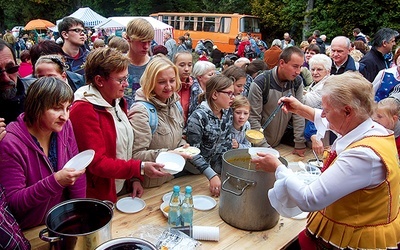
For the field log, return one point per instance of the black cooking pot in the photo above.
(80, 224)
(126, 243)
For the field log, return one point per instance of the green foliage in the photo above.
(331, 17)
(340, 17)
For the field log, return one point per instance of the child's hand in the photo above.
(235, 144)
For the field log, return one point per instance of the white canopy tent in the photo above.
(116, 23)
(89, 17)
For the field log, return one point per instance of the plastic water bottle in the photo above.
(174, 214)
(187, 207)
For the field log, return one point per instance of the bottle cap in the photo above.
(177, 189)
(206, 233)
(188, 189)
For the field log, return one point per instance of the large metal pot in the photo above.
(80, 224)
(244, 199)
(126, 243)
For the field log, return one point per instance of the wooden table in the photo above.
(280, 236)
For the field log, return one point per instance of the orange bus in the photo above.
(213, 28)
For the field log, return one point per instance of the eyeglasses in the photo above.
(229, 93)
(10, 70)
(77, 30)
(120, 80)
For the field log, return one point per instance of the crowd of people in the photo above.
(130, 99)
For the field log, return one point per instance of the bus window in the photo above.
(166, 19)
(209, 24)
(177, 23)
(249, 24)
(189, 23)
(225, 25)
(199, 24)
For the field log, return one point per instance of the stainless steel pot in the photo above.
(244, 199)
(80, 224)
(126, 243)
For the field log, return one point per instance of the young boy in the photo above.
(241, 112)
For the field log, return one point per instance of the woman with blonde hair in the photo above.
(51, 65)
(159, 93)
(99, 116)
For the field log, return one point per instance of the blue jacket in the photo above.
(77, 64)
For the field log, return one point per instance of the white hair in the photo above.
(323, 59)
(276, 42)
(202, 67)
(241, 61)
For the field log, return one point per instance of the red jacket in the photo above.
(95, 129)
(241, 47)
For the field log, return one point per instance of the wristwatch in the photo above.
(142, 168)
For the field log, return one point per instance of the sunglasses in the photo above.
(11, 70)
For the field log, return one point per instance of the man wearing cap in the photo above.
(12, 90)
(170, 44)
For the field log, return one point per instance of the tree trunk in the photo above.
(307, 18)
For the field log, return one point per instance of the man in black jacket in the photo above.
(374, 60)
(216, 56)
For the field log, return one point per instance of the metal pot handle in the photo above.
(109, 203)
(248, 183)
(43, 235)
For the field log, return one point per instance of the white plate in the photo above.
(254, 150)
(172, 167)
(189, 150)
(173, 162)
(203, 202)
(301, 216)
(162, 206)
(81, 160)
(130, 205)
(167, 197)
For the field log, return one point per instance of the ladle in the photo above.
(316, 157)
(256, 136)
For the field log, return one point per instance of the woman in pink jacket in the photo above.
(34, 151)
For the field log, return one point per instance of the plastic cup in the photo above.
(206, 233)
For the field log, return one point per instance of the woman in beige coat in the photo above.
(158, 94)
